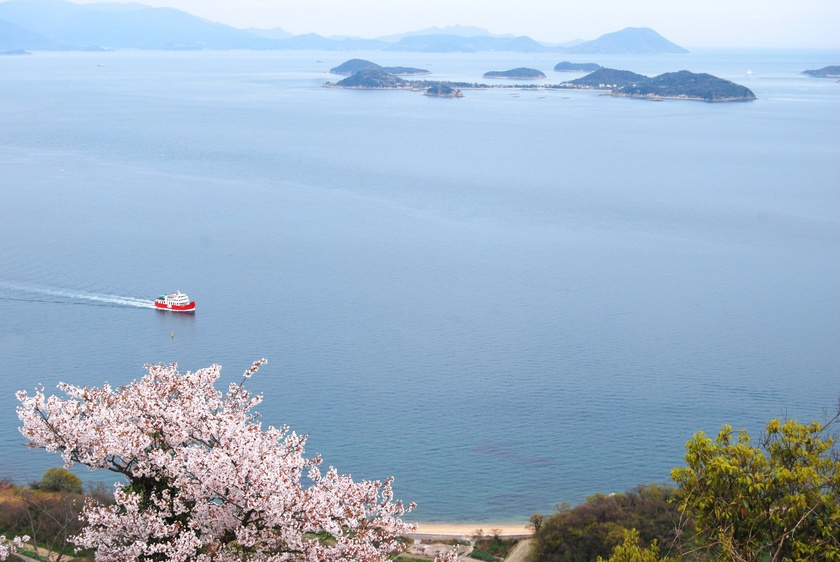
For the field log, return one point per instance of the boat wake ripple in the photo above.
(71, 295)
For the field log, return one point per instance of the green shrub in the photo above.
(594, 528)
(481, 555)
(60, 480)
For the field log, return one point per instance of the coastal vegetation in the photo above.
(595, 527)
(773, 499)
(735, 499)
(202, 479)
(492, 547)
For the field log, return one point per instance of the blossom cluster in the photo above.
(8, 547)
(203, 479)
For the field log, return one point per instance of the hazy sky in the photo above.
(724, 23)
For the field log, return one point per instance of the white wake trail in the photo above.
(83, 295)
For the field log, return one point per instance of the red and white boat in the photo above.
(176, 302)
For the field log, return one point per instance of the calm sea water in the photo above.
(507, 300)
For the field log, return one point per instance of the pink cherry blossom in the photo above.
(8, 547)
(204, 480)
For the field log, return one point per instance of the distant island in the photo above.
(373, 79)
(824, 72)
(577, 66)
(671, 85)
(353, 66)
(682, 85)
(687, 85)
(443, 91)
(516, 73)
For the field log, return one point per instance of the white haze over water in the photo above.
(507, 301)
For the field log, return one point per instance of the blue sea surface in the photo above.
(507, 301)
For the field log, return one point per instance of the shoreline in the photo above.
(467, 530)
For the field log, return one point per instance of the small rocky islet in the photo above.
(443, 91)
(681, 85)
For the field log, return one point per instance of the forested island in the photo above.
(687, 85)
(373, 79)
(516, 73)
(353, 66)
(671, 85)
(566, 66)
(824, 72)
(608, 79)
(682, 85)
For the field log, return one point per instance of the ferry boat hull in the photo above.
(190, 307)
(175, 302)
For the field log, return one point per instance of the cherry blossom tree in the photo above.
(204, 481)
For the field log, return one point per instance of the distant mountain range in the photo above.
(58, 25)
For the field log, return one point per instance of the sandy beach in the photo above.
(467, 530)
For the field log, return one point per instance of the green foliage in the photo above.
(594, 528)
(481, 555)
(776, 501)
(630, 551)
(60, 480)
